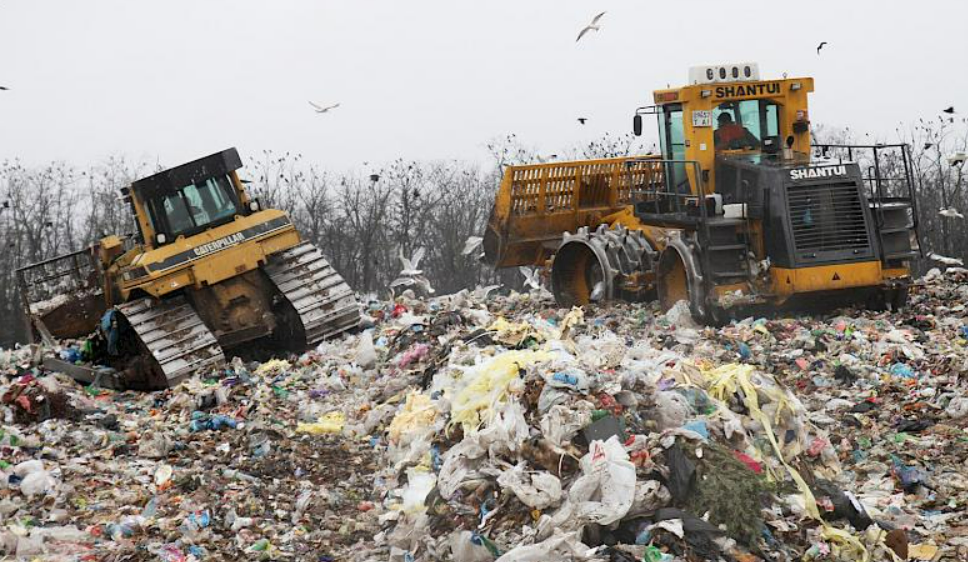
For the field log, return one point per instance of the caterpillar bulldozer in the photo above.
(740, 210)
(209, 271)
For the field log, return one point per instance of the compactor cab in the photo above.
(209, 270)
(739, 209)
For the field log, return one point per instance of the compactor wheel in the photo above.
(672, 282)
(597, 266)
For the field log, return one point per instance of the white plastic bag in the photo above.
(419, 484)
(603, 494)
(537, 490)
(37, 483)
(463, 549)
(365, 352)
(609, 461)
(506, 432)
(560, 546)
(561, 423)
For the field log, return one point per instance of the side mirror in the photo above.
(790, 140)
(637, 125)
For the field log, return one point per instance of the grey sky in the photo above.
(178, 79)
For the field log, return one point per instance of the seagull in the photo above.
(472, 243)
(597, 292)
(419, 282)
(820, 46)
(410, 266)
(949, 110)
(410, 276)
(531, 279)
(957, 159)
(481, 293)
(4, 88)
(951, 213)
(591, 27)
(582, 120)
(928, 145)
(321, 109)
(946, 260)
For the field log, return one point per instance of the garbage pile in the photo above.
(477, 427)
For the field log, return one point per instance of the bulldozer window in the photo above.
(194, 208)
(673, 144)
(743, 125)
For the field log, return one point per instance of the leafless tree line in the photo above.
(365, 220)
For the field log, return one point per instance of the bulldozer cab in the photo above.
(727, 110)
(189, 199)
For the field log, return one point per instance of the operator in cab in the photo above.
(730, 135)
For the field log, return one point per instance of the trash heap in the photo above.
(477, 427)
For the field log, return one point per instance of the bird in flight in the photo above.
(593, 26)
(321, 109)
(4, 88)
(582, 120)
(949, 110)
(951, 213)
(820, 46)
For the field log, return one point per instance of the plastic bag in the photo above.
(419, 484)
(538, 490)
(672, 409)
(332, 422)
(506, 431)
(561, 423)
(37, 483)
(461, 463)
(464, 549)
(603, 494)
(488, 386)
(560, 546)
(365, 352)
(416, 417)
(570, 378)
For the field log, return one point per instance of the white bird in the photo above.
(472, 243)
(482, 293)
(946, 260)
(957, 159)
(410, 266)
(593, 26)
(597, 292)
(531, 278)
(411, 276)
(321, 109)
(951, 213)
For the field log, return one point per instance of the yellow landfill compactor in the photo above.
(738, 212)
(208, 271)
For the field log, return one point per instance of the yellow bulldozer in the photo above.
(208, 271)
(740, 211)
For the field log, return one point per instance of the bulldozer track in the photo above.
(174, 335)
(324, 302)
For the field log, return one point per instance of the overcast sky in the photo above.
(179, 79)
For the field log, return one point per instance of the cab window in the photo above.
(194, 207)
(672, 141)
(743, 125)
